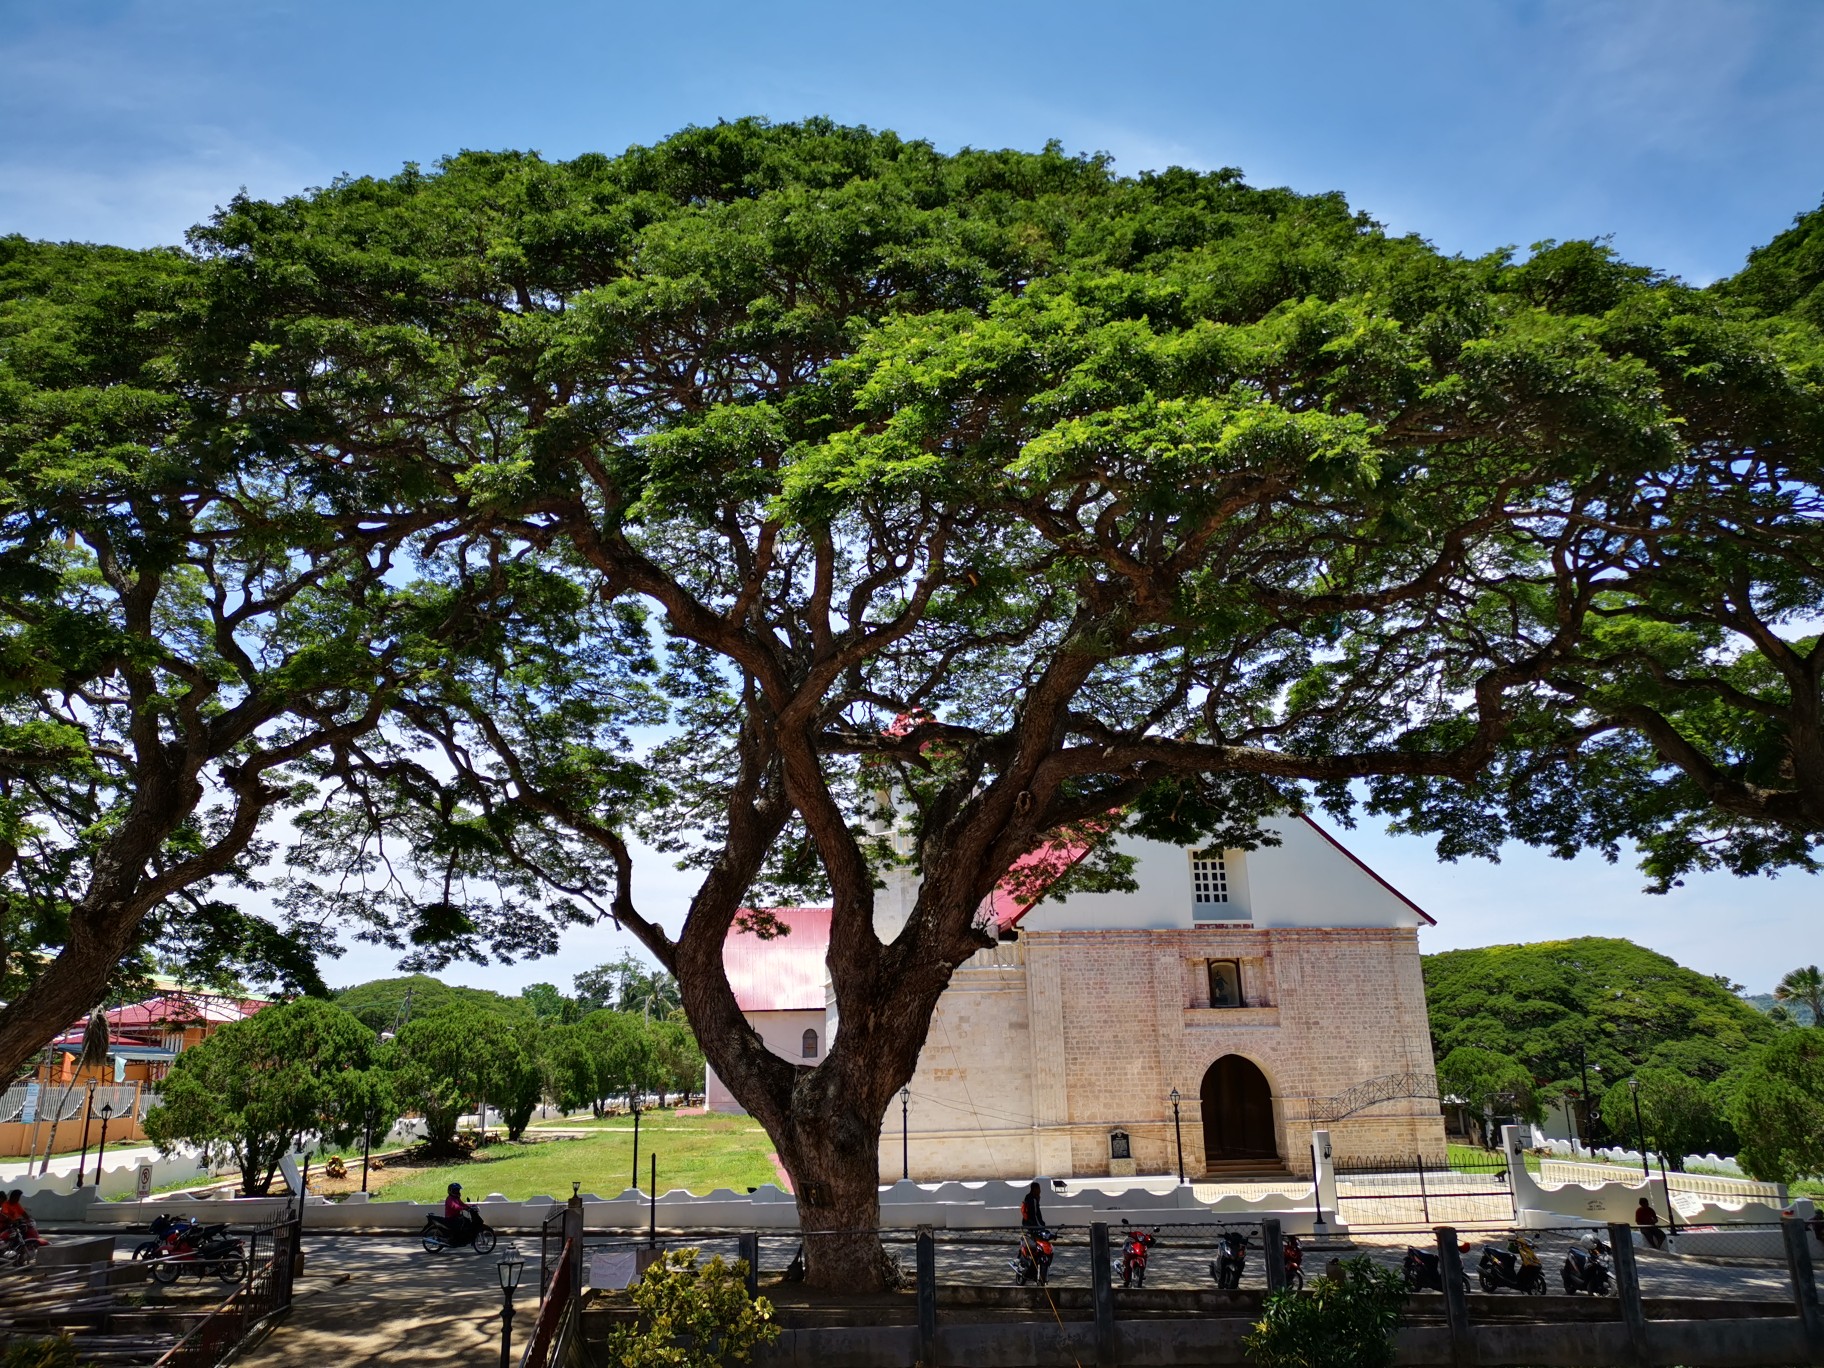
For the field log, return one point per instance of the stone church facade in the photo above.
(1261, 986)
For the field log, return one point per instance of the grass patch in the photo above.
(698, 1153)
(1471, 1159)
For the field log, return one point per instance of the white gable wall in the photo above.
(1305, 881)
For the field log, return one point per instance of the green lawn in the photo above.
(699, 1153)
(1470, 1159)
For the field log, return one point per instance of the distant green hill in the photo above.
(1628, 1007)
(1763, 1002)
(377, 1003)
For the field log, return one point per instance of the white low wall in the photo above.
(944, 1206)
(1540, 1205)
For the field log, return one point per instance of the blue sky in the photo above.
(1688, 130)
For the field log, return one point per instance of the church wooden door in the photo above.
(1237, 1112)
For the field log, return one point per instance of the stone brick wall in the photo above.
(1040, 1049)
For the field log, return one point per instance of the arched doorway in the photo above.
(1237, 1112)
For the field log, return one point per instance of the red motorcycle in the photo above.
(1295, 1264)
(202, 1250)
(1133, 1256)
(1033, 1262)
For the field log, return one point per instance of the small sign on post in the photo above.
(142, 1179)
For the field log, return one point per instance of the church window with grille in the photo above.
(1209, 880)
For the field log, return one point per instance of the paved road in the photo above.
(383, 1300)
(396, 1304)
(1181, 1258)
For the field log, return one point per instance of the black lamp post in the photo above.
(1178, 1131)
(509, 1269)
(1639, 1129)
(905, 1132)
(88, 1114)
(636, 1144)
(107, 1110)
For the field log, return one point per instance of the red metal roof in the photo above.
(780, 973)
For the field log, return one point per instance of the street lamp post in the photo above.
(1178, 1131)
(905, 1132)
(107, 1110)
(88, 1114)
(1639, 1129)
(509, 1269)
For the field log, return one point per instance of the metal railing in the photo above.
(1701, 1184)
(556, 1312)
(265, 1293)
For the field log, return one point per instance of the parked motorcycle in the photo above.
(1231, 1259)
(1295, 1264)
(1132, 1266)
(474, 1233)
(205, 1250)
(1586, 1269)
(1517, 1266)
(162, 1229)
(1421, 1271)
(1033, 1261)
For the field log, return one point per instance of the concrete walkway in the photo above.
(396, 1305)
(16, 1166)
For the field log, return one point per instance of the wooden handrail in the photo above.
(550, 1311)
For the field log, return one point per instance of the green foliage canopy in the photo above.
(256, 1087)
(1037, 493)
(692, 1315)
(446, 1061)
(1680, 1114)
(1334, 1323)
(1778, 1108)
(1490, 1083)
(1625, 1007)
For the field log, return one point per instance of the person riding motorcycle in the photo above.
(460, 1218)
(14, 1216)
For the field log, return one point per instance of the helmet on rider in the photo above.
(455, 1189)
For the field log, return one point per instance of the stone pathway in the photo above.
(383, 1300)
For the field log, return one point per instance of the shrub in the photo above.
(40, 1353)
(1346, 1323)
(693, 1316)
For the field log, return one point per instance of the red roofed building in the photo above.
(779, 982)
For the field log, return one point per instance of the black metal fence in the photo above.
(1469, 1189)
(264, 1293)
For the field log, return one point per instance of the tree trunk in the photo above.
(834, 1161)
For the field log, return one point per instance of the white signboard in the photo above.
(30, 1114)
(611, 1268)
(142, 1184)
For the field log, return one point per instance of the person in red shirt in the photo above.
(14, 1214)
(457, 1214)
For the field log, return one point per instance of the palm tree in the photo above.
(1806, 987)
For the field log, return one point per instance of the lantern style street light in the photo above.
(509, 1269)
(107, 1110)
(1178, 1131)
(905, 1132)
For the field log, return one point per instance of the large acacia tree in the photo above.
(197, 606)
(1031, 496)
